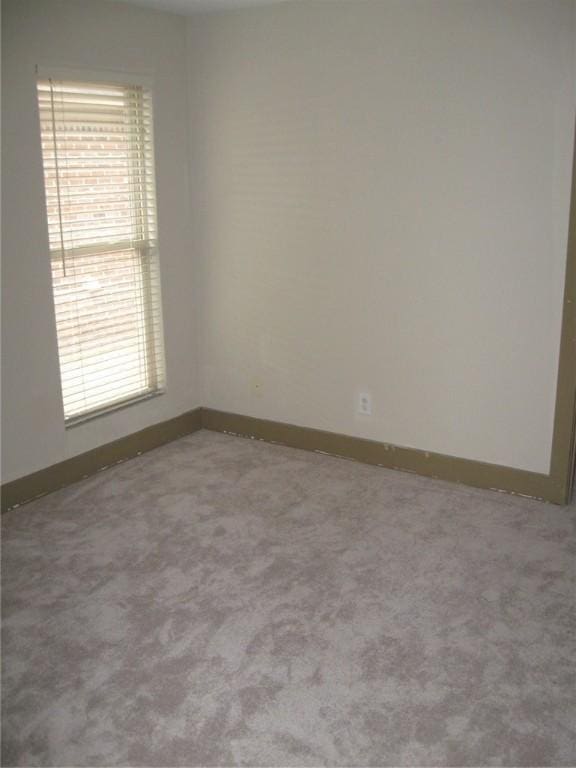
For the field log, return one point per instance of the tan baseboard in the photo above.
(466, 471)
(78, 467)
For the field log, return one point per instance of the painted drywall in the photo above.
(187, 7)
(94, 35)
(363, 196)
(380, 193)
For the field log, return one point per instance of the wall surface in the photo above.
(99, 36)
(378, 202)
(380, 193)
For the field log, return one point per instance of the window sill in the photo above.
(76, 421)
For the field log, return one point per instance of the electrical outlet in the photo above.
(365, 404)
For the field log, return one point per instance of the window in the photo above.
(99, 179)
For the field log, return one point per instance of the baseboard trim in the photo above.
(465, 471)
(436, 465)
(77, 468)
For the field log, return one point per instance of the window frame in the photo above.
(46, 71)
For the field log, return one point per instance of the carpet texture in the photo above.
(223, 602)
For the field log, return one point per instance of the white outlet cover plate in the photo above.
(365, 404)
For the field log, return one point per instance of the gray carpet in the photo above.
(225, 602)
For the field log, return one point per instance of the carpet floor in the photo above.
(223, 602)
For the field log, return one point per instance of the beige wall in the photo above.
(376, 200)
(380, 191)
(95, 35)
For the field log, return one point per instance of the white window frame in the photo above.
(47, 71)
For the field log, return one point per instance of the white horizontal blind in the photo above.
(99, 177)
